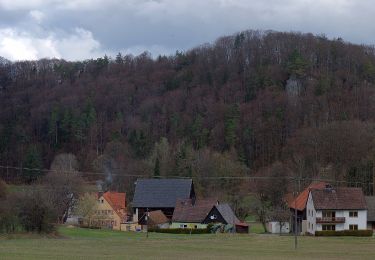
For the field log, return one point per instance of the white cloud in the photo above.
(16, 45)
(78, 46)
(37, 15)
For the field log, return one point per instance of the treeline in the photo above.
(248, 101)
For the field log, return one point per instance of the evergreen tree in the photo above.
(297, 65)
(231, 124)
(53, 126)
(33, 164)
(157, 168)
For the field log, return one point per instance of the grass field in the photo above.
(100, 244)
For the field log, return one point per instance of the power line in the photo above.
(290, 178)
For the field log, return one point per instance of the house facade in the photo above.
(110, 210)
(198, 214)
(190, 213)
(336, 209)
(298, 205)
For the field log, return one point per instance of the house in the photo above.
(198, 214)
(336, 209)
(110, 210)
(160, 194)
(191, 214)
(370, 201)
(299, 204)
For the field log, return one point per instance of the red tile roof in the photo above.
(117, 200)
(301, 200)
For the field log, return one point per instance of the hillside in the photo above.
(296, 103)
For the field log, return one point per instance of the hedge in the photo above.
(179, 230)
(356, 233)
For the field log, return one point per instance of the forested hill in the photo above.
(237, 106)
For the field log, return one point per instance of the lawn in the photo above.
(100, 244)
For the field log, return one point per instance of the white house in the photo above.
(336, 209)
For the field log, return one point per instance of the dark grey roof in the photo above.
(370, 201)
(161, 193)
(227, 213)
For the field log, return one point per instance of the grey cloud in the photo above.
(165, 26)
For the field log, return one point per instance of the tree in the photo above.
(32, 164)
(85, 208)
(297, 65)
(34, 211)
(64, 185)
(270, 192)
(157, 168)
(231, 124)
(64, 162)
(281, 215)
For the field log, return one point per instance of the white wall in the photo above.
(274, 227)
(361, 220)
(312, 214)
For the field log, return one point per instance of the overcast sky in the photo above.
(82, 29)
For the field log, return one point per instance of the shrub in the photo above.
(356, 233)
(179, 230)
(3, 189)
(34, 212)
(27, 211)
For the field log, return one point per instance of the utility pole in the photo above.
(295, 214)
(147, 223)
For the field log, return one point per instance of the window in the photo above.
(328, 227)
(353, 214)
(195, 226)
(312, 226)
(328, 214)
(353, 227)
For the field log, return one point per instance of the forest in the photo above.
(256, 103)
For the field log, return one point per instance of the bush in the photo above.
(35, 213)
(3, 189)
(27, 211)
(356, 233)
(179, 230)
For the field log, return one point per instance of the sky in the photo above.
(84, 29)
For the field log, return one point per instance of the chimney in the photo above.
(329, 188)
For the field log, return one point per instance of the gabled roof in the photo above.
(161, 193)
(301, 200)
(157, 217)
(227, 213)
(339, 199)
(187, 211)
(117, 200)
(370, 201)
